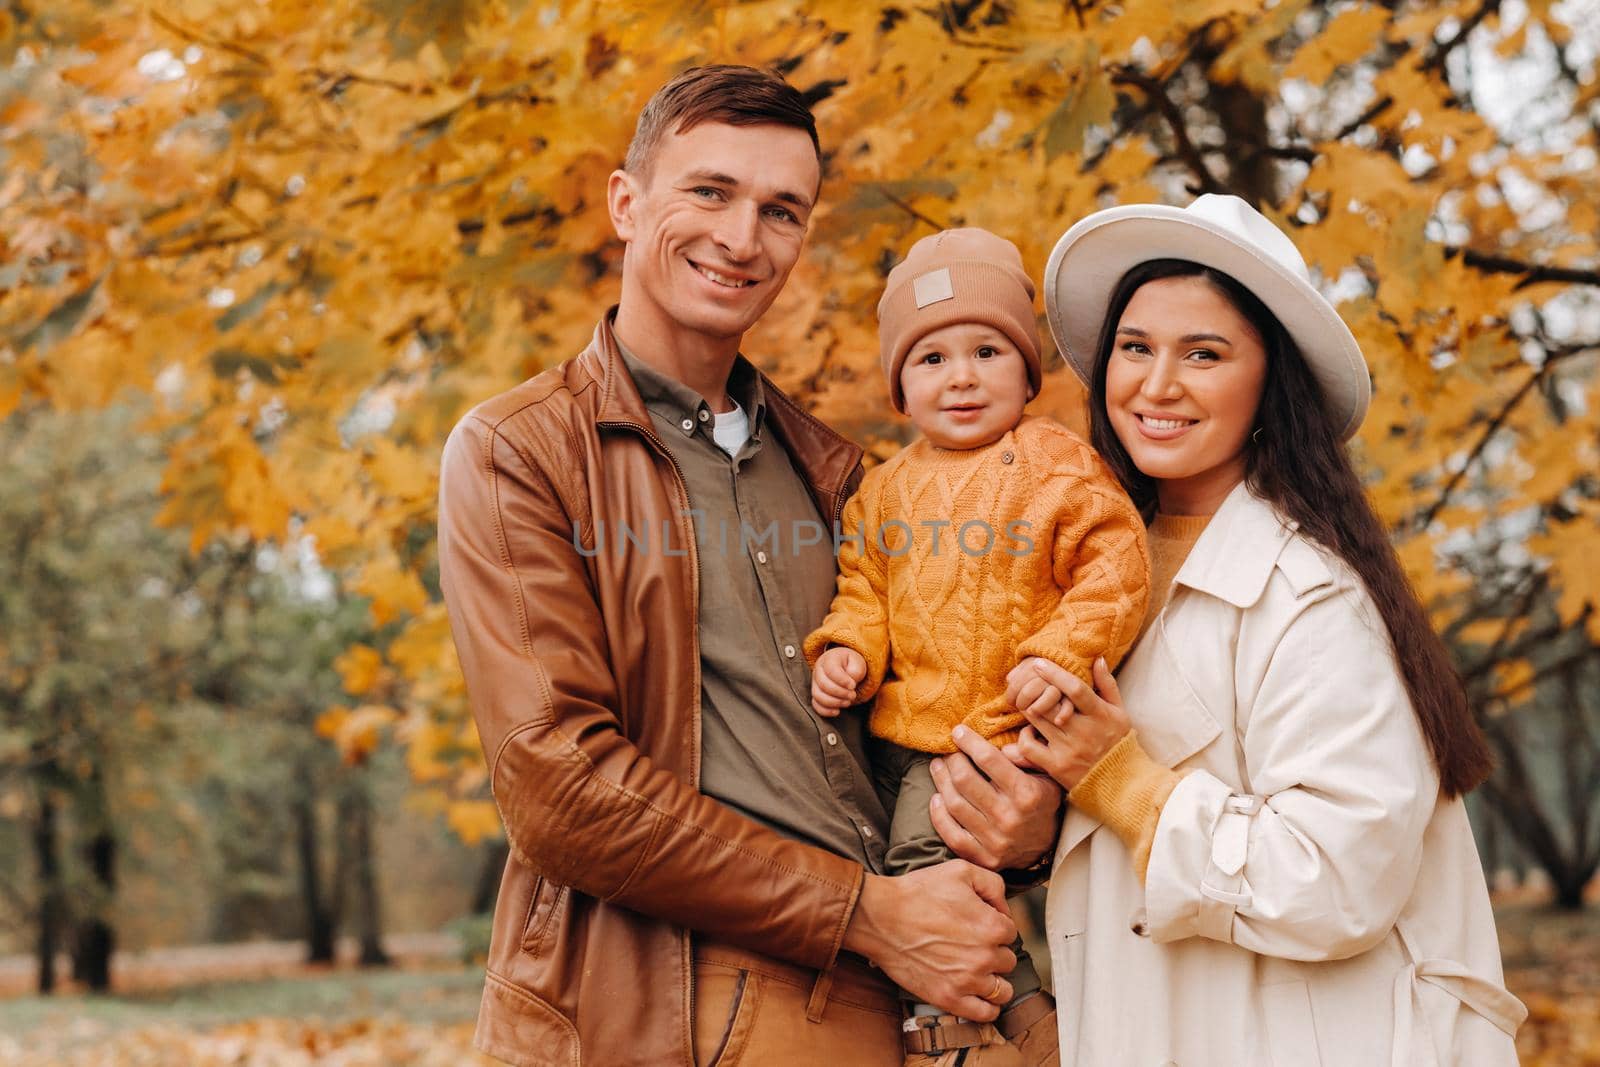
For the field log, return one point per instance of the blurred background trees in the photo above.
(256, 259)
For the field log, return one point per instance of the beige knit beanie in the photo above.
(967, 275)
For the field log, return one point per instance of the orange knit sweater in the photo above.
(940, 621)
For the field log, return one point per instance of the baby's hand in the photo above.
(838, 674)
(1026, 691)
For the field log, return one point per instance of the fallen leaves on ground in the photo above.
(258, 1043)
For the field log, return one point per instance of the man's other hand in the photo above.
(943, 934)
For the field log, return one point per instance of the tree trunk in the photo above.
(1512, 794)
(369, 916)
(96, 940)
(1243, 114)
(321, 923)
(1569, 891)
(47, 855)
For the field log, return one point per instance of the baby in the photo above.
(994, 538)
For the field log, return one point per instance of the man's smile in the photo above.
(728, 281)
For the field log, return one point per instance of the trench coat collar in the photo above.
(1235, 554)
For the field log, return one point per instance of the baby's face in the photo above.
(965, 385)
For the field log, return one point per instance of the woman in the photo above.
(1266, 860)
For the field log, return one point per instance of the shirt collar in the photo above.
(686, 408)
(1235, 555)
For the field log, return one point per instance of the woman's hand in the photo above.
(1066, 742)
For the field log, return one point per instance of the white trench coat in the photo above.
(1311, 900)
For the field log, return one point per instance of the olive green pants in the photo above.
(905, 786)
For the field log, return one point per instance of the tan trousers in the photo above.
(752, 1009)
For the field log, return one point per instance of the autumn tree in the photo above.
(97, 612)
(317, 233)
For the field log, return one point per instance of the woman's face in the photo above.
(1183, 380)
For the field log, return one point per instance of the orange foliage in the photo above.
(319, 231)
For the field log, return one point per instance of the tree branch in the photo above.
(1435, 60)
(1493, 427)
(909, 210)
(331, 83)
(1379, 106)
(1523, 647)
(1156, 92)
(1564, 663)
(1532, 273)
(199, 38)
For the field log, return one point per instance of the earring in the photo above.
(1255, 437)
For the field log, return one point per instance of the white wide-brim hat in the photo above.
(1228, 235)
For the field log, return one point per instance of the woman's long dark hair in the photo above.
(1297, 463)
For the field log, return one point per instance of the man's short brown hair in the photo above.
(735, 95)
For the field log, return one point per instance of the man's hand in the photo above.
(990, 811)
(942, 933)
(836, 679)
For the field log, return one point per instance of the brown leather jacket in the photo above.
(584, 674)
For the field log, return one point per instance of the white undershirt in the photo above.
(731, 429)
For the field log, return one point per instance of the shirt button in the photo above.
(833, 739)
(866, 831)
(704, 415)
(1007, 457)
(761, 557)
(788, 650)
(687, 424)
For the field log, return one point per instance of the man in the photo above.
(630, 555)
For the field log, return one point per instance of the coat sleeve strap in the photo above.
(1223, 890)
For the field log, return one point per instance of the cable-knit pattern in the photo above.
(941, 621)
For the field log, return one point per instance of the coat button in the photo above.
(687, 424)
(705, 415)
(788, 650)
(833, 739)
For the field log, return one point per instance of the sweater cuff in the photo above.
(1125, 790)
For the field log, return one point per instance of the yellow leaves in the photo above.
(399, 473)
(1570, 549)
(1348, 36)
(249, 495)
(392, 590)
(1371, 181)
(1087, 103)
(473, 820)
(393, 217)
(1248, 59)
(356, 731)
(216, 482)
(360, 667)
(1512, 679)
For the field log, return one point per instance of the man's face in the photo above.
(714, 230)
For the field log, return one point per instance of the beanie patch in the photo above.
(933, 287)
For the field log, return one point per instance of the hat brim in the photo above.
(1091, 258)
